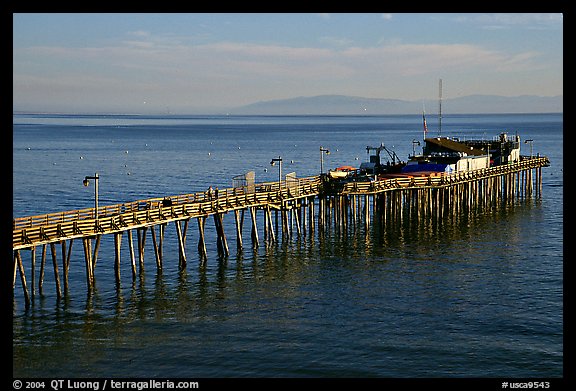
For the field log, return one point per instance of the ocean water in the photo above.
(477, 295)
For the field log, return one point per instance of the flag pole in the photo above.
(424, 120)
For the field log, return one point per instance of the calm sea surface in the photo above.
(477, 295)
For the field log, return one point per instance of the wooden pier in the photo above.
(303, 205)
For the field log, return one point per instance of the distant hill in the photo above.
(353, 105)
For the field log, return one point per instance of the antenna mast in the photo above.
(439, 107)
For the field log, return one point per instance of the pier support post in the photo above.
(96, 249)
(295, 213)
(56, 274)
(141, 233)
(254, 232)
(269, 225)
(367, 211)
(33, 265)
(239, 223)
(18, 263)
(201, 241)
(311, 215)
(157, 249)
(132, 257)
(181, 244)
(66, 262)
(87, 244)
(117, 245)
(284, 217)
(222, 242)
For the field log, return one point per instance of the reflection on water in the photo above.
(409, 237)
(405, 275)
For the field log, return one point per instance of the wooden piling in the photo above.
(117, 246)
(56, 274)
(132, 256)
(181, 244)
(157, 252)
(254, 230)
(239, 224)
(87, 245)
(18, 263)
(222, 243)
(201, 241)
(269, 225)
(141, 232)
(33, 270)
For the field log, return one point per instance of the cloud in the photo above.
(231, 73)
(500, 21)
(335, 41)
(400, 58)
(139, 33)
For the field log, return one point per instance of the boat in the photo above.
(374, 165)
(342, 172)
(369, 171)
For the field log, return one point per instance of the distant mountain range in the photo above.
(353, 105)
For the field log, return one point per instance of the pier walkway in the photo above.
(426, 194)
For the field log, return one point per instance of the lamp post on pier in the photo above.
(414, 143)
(273, 163)
(322, 152)
(86, 182)
(531, 143)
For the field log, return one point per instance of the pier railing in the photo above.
(442, 179)
(52, 227)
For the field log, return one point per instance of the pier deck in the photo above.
(422, 192)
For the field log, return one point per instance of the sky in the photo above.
(193, 63)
